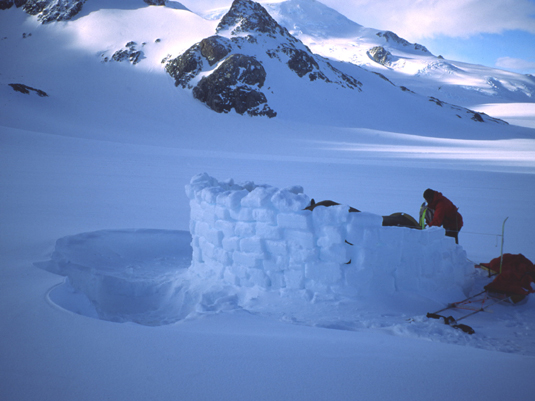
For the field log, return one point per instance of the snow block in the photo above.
(257, 236)
(298, 221)
(276, 248)
(252, 245)
(268, 231)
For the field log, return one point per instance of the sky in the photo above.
(495, 33)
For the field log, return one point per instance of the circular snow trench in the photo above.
(124, 275)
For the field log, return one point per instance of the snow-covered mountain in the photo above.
(249, 40)
(249, 49)
(407, 64)
(253, 64)
(330, 34)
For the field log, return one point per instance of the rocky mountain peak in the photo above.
(249, 16)
(234, 61)
(391, 37)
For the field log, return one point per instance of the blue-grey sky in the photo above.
(495, 33)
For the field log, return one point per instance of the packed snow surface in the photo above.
(92, 182)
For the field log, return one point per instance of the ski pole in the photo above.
(503, 238)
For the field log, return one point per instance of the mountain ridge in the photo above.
(296, 83)
(407, 64)
(435, 76)
(247, 24)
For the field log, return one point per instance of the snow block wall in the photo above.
(257, 235)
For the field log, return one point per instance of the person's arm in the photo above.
(438, 217)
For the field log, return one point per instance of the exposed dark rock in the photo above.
(155, 2)
(186, 66)
(350, 81)
(393, 38)
(405, 89)
(129, 53)
(215, 48)
(300, 61)
(477, 117)
(27, 89)
(383, 77)
(436, 101)
(240, 41)
(34, 7)
(5, 4)
(236, 82)
(234, 85)
(53, 10)
(380, 55)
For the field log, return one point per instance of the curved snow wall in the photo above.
(257, 235)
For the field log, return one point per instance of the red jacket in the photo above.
(446, 214)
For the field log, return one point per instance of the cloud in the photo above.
(517, 64)
(416, 19)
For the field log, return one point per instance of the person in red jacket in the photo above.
(445, 213)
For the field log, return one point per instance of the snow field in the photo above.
(261, 236)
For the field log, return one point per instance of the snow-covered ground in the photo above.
(103, 161)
